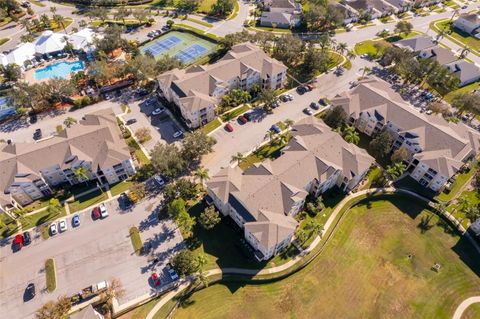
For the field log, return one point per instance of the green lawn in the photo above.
(364, 272)
(4, 40)
(121, 187)
(40, 203)
(210, 126)
(87, 200)
(50, 275)
(466, 89)
(233, 114)
(457, 34)
(201, 22)
(139, 154)
(42, 217)
(267, 151)
(368, 47)
(373, 176)
(473, 197)
(136, 240)
(140, 312)
(206, 5)
(7, 226)
(460, 180)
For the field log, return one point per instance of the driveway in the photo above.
(95, 251)
(248, 136)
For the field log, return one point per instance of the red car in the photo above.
(17, 242)
(229, 127)
(155, 279)
(242, 119)
(96, 214)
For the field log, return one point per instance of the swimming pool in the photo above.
(58, 70)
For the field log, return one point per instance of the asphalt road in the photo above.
(95, 251)
(248, 136)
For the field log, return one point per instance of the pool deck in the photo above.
(29, 75)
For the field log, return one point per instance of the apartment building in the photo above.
(264, 199)
(198, 89)
(29, 171)
(437, 149)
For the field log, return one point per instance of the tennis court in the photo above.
(185, 46)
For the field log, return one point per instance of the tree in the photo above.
(381, 145)
(143, 135)
(466, 102)
(222, 7)
(350, 135)
(59, 20)
(141, 15)
(365, 70)
(438, 107)
(54, 206)
(54, 309)
(184, 263)
(301, 236)
(121, 14)
(167, 159)
(315, 61)
(335, 117)
(195, 145)
(167, 63)
(183, 188)
(313, 227)
(176, 207)
(137, 192)
(81, 173)
(114, 290)
(465, 51)
(395, 170)
(209, 218)
(111, 40)
(267, 97)
(69, 121)
(472, 213)
(287, 49)
(187, 5)
(238, 157)
(399, 155)
(403, 27)
(201, 174)
(11, 72)
(202, 261)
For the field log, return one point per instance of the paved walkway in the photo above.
(464, 305)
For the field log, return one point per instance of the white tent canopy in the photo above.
(22, 53)
(83, 39)
(50, 42)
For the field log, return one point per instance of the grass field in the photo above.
(206, 5)
(50, 275)
(210, 126)
(473, 197)
(368, 47)
(87, 200)
(460, 180)
(120, 187)
(136, 240)
(42, 217)
(364, 272)
(458, 35)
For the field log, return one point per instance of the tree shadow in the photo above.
(424, 224)
(468, 254)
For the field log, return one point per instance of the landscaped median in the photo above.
(136, 240)
(50, 275)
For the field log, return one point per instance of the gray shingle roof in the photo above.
(416, 43)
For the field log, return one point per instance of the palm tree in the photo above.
(463, 203)
(201, 174)
(69, 121)
(313, 227)
(394, 171)
(53, 10)
(238, 157)
(341, 47)
(350, 135)
(45, 20)
(26, 24)
(465, 51)
(82, 24)
(351, 55)
(365, 70)
(270, 135)
(289, 123)
(59, 21)
(81, 174)
(471, 212)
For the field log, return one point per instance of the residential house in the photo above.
(86, 313)
(264, 198)
(374, 9)
(437, 149)
(466, 72)
(442, 55)
(468, 23)
(417, 43)
(349, 15)
(400, 5)
(281, 14)
(29, 171)
(198, 89)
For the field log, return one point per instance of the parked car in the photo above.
(323, 102)
(171, 272)
(177, 134)
(37, 134)
(275, 104)
(307, 111)
(165, 27)
(53, 229)
(159, 181)
(229, 127)
(29, 291)
(33, 117)
(309, 87)
(27, 239)
(17, 243)
(158, 111)
(276, 129)
(301, 89)
(241, 119)
(248, 116)
(103, 211)
(314, 106)
(62, 225)
(286, 97)
(155, 279)
(131, 121)
(125, 201)
(76, 220)
(96, 213)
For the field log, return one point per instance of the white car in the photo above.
(53, 229)
(172, 273)
(158, 111)
(177, 134)
(159, 180)
(62, 225)
(103, 211)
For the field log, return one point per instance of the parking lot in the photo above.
(95, 251)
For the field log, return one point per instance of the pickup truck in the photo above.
(94, 290)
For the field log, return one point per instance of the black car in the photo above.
(314, 106)
(26, 238)
(124, 201)
(29, 292)
(248, 116)
(37, 134)
(131, 121)
(301, 90)
(323, 102)
(33, 117)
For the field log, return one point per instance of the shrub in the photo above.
(77, 103)
(86, 100)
